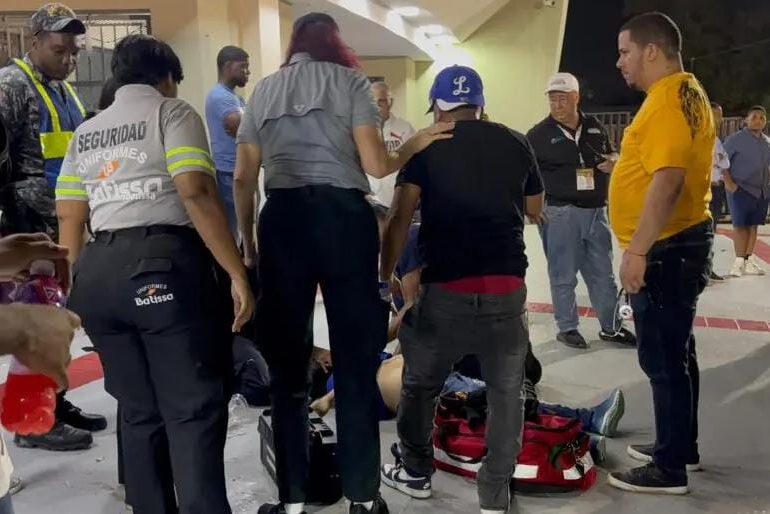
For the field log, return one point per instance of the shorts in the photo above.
(383, 411)
(746, 209)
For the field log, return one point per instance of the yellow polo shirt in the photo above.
(673, 129)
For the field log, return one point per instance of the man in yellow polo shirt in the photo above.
(658, 204)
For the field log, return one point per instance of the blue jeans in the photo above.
(225, 184)
(586, 416)
(664, 313)
(6, 505)
(578, 240)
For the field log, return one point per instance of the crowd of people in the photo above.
(156, 221)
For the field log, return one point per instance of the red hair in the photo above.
(323, 42)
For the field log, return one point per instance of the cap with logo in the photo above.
(56, 17)
(563, 83)
(455, 87)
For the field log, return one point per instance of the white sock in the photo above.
(487, 511)
(367, 505)
(294, 508)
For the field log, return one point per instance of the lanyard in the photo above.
(575, 139)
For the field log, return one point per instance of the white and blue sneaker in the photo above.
(607, 414)
(396, 477)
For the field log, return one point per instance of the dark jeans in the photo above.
(309, 236)
(718, 199)
(664, 312)
(153, 308)
(6, 504)
(442, 327)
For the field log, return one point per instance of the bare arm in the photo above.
(662, 196)
(379, 163)
(72, 215)
(410, 288)
(199, 194)
(399, 218)
(533, 206)
(231, 123)
(245, 187)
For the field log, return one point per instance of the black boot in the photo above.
(61, 438)
(75, 417)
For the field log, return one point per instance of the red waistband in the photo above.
(487, 284)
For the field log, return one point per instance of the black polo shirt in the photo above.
(472, 192)
(558, 156)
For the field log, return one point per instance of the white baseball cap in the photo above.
(563, 82)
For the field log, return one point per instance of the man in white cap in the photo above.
(395, 132)
(576, 158)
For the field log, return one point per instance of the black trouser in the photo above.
(328, 236)
(718, 199)
(664, 313)
(151, 303)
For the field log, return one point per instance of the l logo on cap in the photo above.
(461, 89)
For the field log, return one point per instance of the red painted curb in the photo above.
(761, 250)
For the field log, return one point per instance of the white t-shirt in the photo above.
(6, 468)
(395, 132)
(721, 161)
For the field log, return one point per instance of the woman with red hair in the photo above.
(313, 126)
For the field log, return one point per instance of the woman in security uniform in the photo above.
(145, 285)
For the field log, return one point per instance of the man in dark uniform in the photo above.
(41, 111)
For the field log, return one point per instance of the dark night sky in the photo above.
(590, 52)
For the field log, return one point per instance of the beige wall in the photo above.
(515, 52)
(197, 29)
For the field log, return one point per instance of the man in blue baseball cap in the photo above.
(475, 190)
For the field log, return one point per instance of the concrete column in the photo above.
(260, 36)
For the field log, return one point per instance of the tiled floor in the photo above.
(734, 423)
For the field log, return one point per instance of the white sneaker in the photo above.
(753, 267)
(738, 268)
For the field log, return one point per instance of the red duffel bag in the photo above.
(554, 457)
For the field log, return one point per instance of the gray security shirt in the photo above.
(750, 162)
(123, 161)
(302, 118)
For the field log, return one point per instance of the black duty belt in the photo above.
(143, 232)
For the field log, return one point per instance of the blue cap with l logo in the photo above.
(455, 87)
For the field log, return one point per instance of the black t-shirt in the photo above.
(558, 157)
(472, 201)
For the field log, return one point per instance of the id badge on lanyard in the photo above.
(584, 175)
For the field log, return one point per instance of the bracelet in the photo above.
(636, 254)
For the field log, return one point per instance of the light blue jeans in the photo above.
(6, 505)
(578, 240)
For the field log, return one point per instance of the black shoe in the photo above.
(75, 417)
(379, 507)
(643, 453)
(573, 339)
(271, 508)
(61, 438)
(622, 336)
(649, 479)
(716, 278)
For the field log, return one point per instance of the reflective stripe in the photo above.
(71, 192)
(191, 162)
(187, 149)
(69, 178)
(43, 94)
(55, 144)
(75, 97)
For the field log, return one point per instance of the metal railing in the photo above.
(105, 29)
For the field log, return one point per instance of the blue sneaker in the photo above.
(598, 448)
(397, 477)
(606, 415)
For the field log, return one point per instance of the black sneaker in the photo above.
(622, 336)
(271, 508)
(716, 278)
(643, 453)
(379, 507)
(61, 438)
(573, 339)
(649, 479)
(396, 477)
(75, 417)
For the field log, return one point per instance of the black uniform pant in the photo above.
(151, 303)
(328, 236)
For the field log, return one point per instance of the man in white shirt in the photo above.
(721, 163)
(395, 132)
